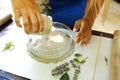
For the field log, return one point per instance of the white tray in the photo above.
(18, 61)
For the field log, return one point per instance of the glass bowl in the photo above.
(52, 47)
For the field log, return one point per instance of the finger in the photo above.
(77, 25)
(77, 40)
(40, 21)
(80, 36)
(85, 41)
(86, 33)
(17, 18)
(25, 21)
(34, 21)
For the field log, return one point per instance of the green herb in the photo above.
(64, 68)
(65, 76)
(83, 60)
(76, 60)
(106, 60)
(78, 55)
(8, 46)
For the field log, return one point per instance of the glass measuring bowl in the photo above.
(52, 47)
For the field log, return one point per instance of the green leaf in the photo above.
(78, 55)
(76, 60)
(82, 62)
(8, 46)
(65, 76)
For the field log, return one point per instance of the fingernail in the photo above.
(19, 25)
(74, 29)
(75, 42)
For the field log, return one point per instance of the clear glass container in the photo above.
(52, 47)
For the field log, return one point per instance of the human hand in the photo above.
(84, 35)
(30, 13)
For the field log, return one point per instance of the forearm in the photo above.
(92, 10)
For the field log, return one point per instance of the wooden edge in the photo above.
(104, 34)
(6, 24)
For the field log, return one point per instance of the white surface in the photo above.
(5, 14)
(18, 61)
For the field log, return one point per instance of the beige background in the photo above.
(112, 22)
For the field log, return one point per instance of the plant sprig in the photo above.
(64, 68)
(8, 46)
(77, 59)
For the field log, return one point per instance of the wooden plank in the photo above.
(115, 60)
